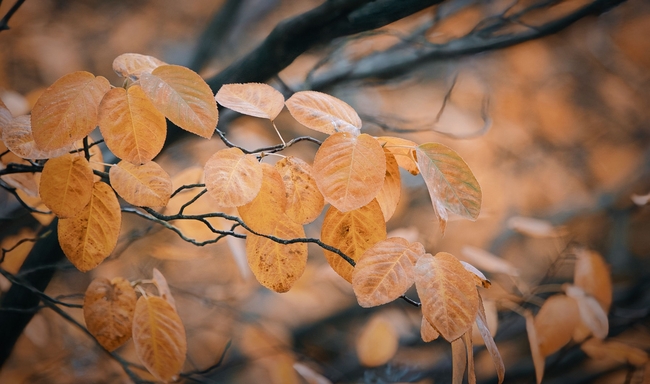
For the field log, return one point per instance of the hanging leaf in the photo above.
(159, 338)
(5, 117)
(352, 233)
(403, 150)
(592, 275)
(538, 358)
(132, 65)
(479, 278)
(146, 185)
(323, 113)
(67, 110)
(17, 136)
(483, 327)
(163, 288)
(253, 99)
(183, 97)
(555, 323)
(469, 349)
(389, 194)
(448, 294)
(487, 261)
(66, 185)
(270, 203)
(89, 237)
(377, 343)
(304, 200)
(349, 170)
(491, 316)
(427, 331)
(232, 177)
(108, 310)
(134, 130)
(591, 313)
(458, 360)
(385, 271)
(451, 184)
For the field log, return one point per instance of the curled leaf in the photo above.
(402, 149)
(17, 135)
(132, 65)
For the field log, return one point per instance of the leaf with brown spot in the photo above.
(389, 194)
(377, 343)
(17, 136)
(66, 184)
(270, 203)
(233, 178)
(252, 99)
(304, 200)
(323, 113)
(146, 185)
(402, 149)
(132, 65)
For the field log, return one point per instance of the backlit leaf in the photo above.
(66, 184)
(427, 331)
(159, 337)
(146, 185)
(349, 170)
(384, 272)
(67, 110)
(183, 97)
(132, 65)
(591, 313)
(538, 358)
(108, 310)
(304, 200)
(402, 149)
(479, 278)
(487, 261)
(253, 99)
(389, 194)
(592, 275)
(451, 184)
(17, 136)
(323, 113)
(352, 233)
(555, 323)
(269, 204)
(134, 130)
(232, 177)
(448, 294)
(89, 237)
(377, 342)
(163, 288)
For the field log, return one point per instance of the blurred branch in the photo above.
(4, 22)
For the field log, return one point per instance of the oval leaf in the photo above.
(349, 170)
(323, 113)
(17, 136)
(377, 342)
(270, 203)
(304, 200)
(66, 184)
(67, 110)
(132, 65)
(233, 178)
(448, 294)
(591, 313)
(108, 310)
(253, 99)
(427, 331)
(402, 149)
(183, 97)
(555, 323)
(134, 130)
(159, 337)
(146, 185)
(88, 238)
(163, 288)
(389, 194)
(592, 275)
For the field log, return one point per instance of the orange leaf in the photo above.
(615, 350)
(555, 323)
(233, 178)
(5, 116)
(592, 275)
(402, 150)
(304, 200)
(108, 311)
(427, 331)
(66, 184)
(163, 288)
(183, 97)
(270, 203)
(538, 357)
(132, 65)
(389, 194)
(384, 272)
(452, 186)
(17, 135)
(448, 294)
(479, 278)
(159, 337)
(591, 313)
(253, 99)
(487, 261)
(323, 113)
(458, 360)
(469, 349)
(132, 127)
(532, 227)
(349, 170)
(484, 328)
(146, 185)
(88, 238)
(67, 110)
(377, 342)
(352, 233)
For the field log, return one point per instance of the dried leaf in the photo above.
(146, 185)
(592, 275)
(591, 312)
(533, 227)
(132, 65)
(389, 194)
(159, 338)
(270, 203)
(487, 261)
(304, 200)
(66, 184)
(427, 331)
(614, 350)
(483, 326)
(538, 357)
(5, 117)
(479, 278)
(253, 99)
(377, 342)
(232, 177)
(108, 310)
(183, 97)
(323, 113)
(349, 170)
(17, 136)
(555, 323)
(163, 288)
(403, 150)
(458, 360)
(471, 373)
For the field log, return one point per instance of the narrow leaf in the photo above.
(458, 360)
(253, 99)
(163, 288)
(482, 324)
(17, 136)
(532, 227)
(377, 342)
(146, 185)
(403, 150)
(304, 200)
(323, 113)
(471, 373)
(427, 331)
(487, 261)
(538, 358)
(592, 275)
(66, 184)
(270, 203)
(232, 177)
(389, 194)
(132, 65)
(310, 376)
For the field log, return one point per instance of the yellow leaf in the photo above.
(232, 177)
(592, 275)
(146, 185)
(134, 130)
(66, 184)
(304, 200)
(451, 184)
(159, 338)
(108, 311)
(555, 323)
(17, 135)
(67, 110)
(183, 97)
(538, 358)
(352, 233)
(132, 65)
(402, 150)
(323, 113)
(253, 99)
(389, 194)
(377, 342)
(88, 238)
(163, 288)
(427, 331)
(270, 203)
(349, 170)
(448, 294)
(384, 272)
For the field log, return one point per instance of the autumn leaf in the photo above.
(134, 130)
(591, 313)
(555, 323)
(67, 110)
(17, 136)
(616, 351)
(479, 278)
(66, 185)
(592, 274)
(538, 357)
(469, 349)
(233, 178)
(487, 261)
(132, 65)
(146, 185)
(163, 288)
(349, 170)
(483, 326)
(5, 116)
(159, 337)
(183, 97)
(270, 203)
(323, 113)
(108, 310)
(304, 200)
(536, 228)
(377, 342)
(253, 99)
(401, 149)
(458, 360)
(389, 194)
(427, 331)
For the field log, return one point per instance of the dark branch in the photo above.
(4, 22)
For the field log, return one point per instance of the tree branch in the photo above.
(4, 22)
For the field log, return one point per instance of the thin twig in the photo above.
(4, 22)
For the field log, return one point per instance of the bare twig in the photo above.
(4, 22)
